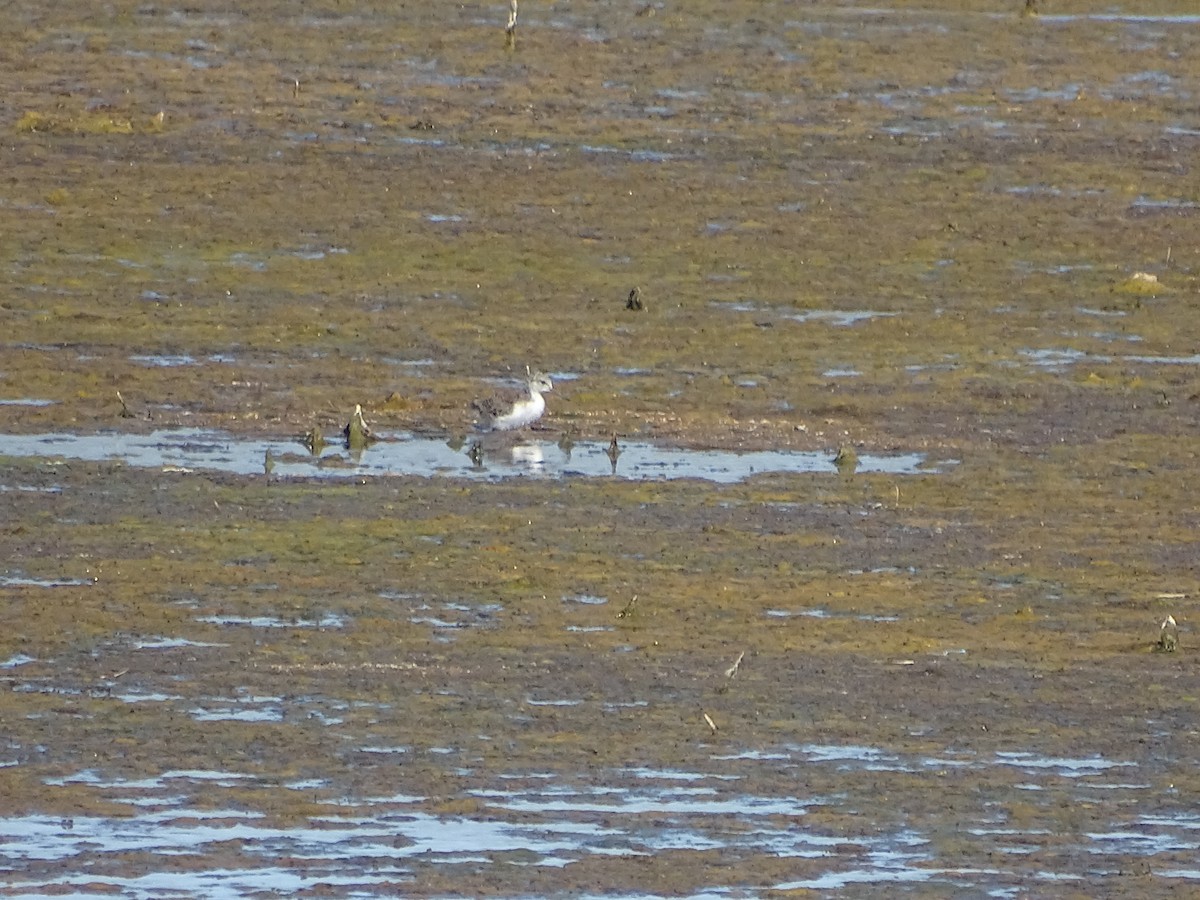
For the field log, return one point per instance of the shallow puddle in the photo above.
(190, 448)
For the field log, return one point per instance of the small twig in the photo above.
(733, 670)
(711, 723)
(628, 610)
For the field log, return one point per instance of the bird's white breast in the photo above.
(523, 413)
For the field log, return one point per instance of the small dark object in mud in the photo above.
(314, 441)
(1168, 635)
(475, 454)
(635, 300)
(357, 432)
(422, 125)
(1030, 9)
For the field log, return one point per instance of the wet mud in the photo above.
(952, 245)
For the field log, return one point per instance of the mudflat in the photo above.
(944, 232)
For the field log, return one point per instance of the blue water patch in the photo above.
(185, 449)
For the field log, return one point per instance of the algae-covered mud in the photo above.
(840, 565)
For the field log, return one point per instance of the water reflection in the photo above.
(731, 802)
(185, 449)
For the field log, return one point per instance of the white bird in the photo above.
(508, 412)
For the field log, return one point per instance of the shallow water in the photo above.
(538, 819)
(204, 450)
